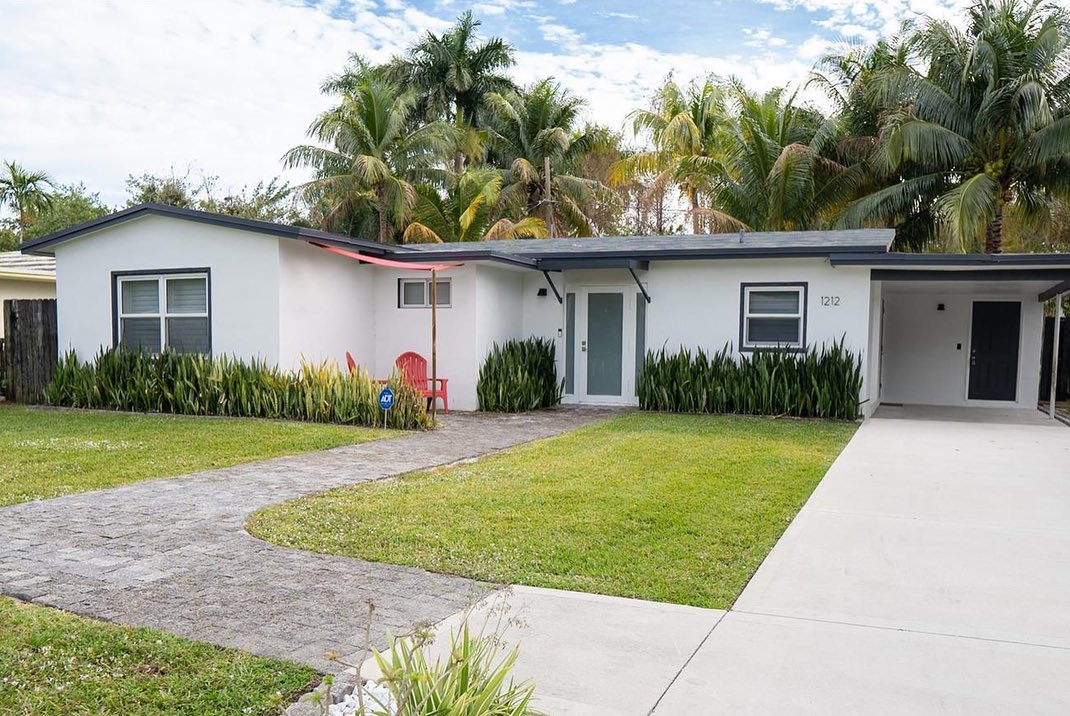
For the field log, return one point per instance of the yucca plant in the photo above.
(119, 379)
(518, 376)
(822, 383)
(473, 680)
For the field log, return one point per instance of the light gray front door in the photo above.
(605, 344)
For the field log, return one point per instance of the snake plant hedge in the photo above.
(821, 383)
(185, 384)
(518, 376)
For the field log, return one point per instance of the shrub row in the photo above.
(196, 385)
(821, 383)
(518, 376)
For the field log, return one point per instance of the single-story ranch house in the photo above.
(931, 328)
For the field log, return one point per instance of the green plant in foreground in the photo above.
(184, 384)
(821, 383)
(518, 376)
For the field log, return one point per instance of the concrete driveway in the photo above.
(928, 573)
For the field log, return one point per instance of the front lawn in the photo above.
(55, 663)
(46, 453)
(672, 508)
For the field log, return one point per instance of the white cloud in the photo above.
(762, 37)
(872, 18)
(621, 15)
(96, 91)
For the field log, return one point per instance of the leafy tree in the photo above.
(536, 127)
(273, 200)
(70, 205)
(26, 193)
(173, 190)
(368, 152)
(987, 131)
(465, 213)
(690, 130)
(453, 75)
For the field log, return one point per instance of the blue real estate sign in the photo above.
(386, 399)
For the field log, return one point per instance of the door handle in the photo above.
(583, 346)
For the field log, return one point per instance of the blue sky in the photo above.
(94, 91)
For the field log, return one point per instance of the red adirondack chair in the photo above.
(413, 368)
(351, 363)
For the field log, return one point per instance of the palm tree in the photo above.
(782, 172)
(27, 193)
(466, 212)
(534, 132)
(690, 131)
(453, 76)
(371, 153)
(988, 129)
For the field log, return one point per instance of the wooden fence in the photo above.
(1062, 386)
(30, 347)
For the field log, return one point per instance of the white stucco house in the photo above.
(958, 330)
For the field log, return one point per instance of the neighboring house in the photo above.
(25, 276)
(931, 329)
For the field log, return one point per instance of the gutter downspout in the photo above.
(1055, 354)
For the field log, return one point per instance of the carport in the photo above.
(960, 330)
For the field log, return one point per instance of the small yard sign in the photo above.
(386, 401)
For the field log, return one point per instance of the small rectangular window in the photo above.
(165, 312)
(773, 316)
(416, 293)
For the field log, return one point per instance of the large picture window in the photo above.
(773, 316)
(416, 293)
(163, 312)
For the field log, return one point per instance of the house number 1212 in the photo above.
(830, 300)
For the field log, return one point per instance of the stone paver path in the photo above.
(173, 553)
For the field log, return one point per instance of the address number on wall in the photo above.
(830, 300)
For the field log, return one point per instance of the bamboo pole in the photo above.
(434, 344)
(1055, 355)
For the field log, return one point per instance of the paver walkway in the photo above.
(173, 553)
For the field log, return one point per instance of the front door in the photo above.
(994, 350)
(604, 367)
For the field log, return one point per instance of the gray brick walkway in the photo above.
(173, 553)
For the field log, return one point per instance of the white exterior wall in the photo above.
(927, 351)
(697, 303)
(244, 281)
(325, 307)
(499, 307)
(409, 329)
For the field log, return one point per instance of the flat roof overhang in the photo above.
(966, 267)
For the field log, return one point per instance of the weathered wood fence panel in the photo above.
(1062, 386)
(30, 347)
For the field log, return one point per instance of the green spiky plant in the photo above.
(518, 376)
(821, 383)
(183, 384)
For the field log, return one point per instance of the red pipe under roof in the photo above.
(385, 262)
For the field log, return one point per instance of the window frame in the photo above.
(161, 276)
(427, 293)
(745, 289)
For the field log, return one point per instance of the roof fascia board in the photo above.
(19, 276)
(1054, 291)
(1022, 274)
(950, 261)
(472, 255)
(592, 263)
(37, 246)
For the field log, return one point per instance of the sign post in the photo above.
(386, 402)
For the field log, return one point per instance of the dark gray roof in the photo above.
(791, 243)
(17, 262)
(43, 245)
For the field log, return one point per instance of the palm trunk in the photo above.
(386, 233)
(696, 220)
(458, 162)
(994, 230)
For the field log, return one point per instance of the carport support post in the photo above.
(434, 344)
(1055, 354)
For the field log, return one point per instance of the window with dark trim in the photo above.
(772, 316)
(416, 293)
(156, 312)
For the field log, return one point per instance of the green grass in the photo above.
(55, 663)
(46, 453)
(666, 507)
